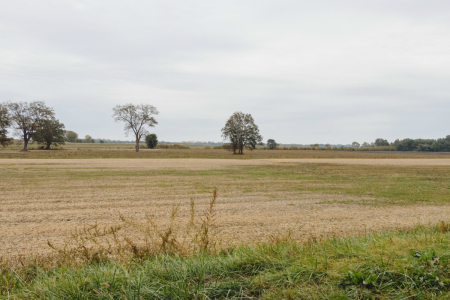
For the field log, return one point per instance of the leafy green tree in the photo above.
(71, 136)
(271, 144)
(102, 141)
(442, 145)
(5, 122)
(151, 140)
(355, 145)
(26, 118)
(381, 142)
(366, 144)
(406, 145)
(50, 132)
(136, 117)
(241, 130)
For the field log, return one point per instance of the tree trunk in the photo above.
(25, 142)
(137, 145)
(241, 148)
(48, 146)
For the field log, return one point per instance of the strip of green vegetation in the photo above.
(382, 184)
(405, 265)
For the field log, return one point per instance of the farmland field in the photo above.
(85, 151)
(338, 193)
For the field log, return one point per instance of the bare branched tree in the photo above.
(136, 117)
(27, 117)
(241, 130)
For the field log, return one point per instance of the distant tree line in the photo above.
(439, 145)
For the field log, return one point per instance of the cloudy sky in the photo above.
(308, 71)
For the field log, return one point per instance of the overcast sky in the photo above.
(308, 71)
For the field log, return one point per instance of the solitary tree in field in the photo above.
(5, 122)
(271, 144)
(50, 132)
(241, 130)
(151, 140)
(26, 118)
(136, 118)
(355, 145)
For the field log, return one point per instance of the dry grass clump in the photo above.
(443, 226)
(93, 244)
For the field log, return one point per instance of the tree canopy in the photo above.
(151, 140)
(136, 117)
(241, 130)
(71, 136)
(50, 132)
(88, 139)
(26, 118)
(381, 142)
(5, 122)
(271, 144)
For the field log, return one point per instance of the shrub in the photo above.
(151, 140)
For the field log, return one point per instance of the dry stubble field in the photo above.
(48, 199)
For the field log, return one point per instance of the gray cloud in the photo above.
(308, 71)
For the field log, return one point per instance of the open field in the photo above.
(47, 199)
(84, 151)
(336, 226)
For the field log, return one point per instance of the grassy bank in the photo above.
(403, 264)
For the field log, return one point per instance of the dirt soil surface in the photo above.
(31, 216)
(205, 164)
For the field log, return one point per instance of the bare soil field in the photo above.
(44, 200)
(206, 164)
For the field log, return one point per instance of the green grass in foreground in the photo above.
(411, 264)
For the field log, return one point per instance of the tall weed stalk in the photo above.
(93, 244)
